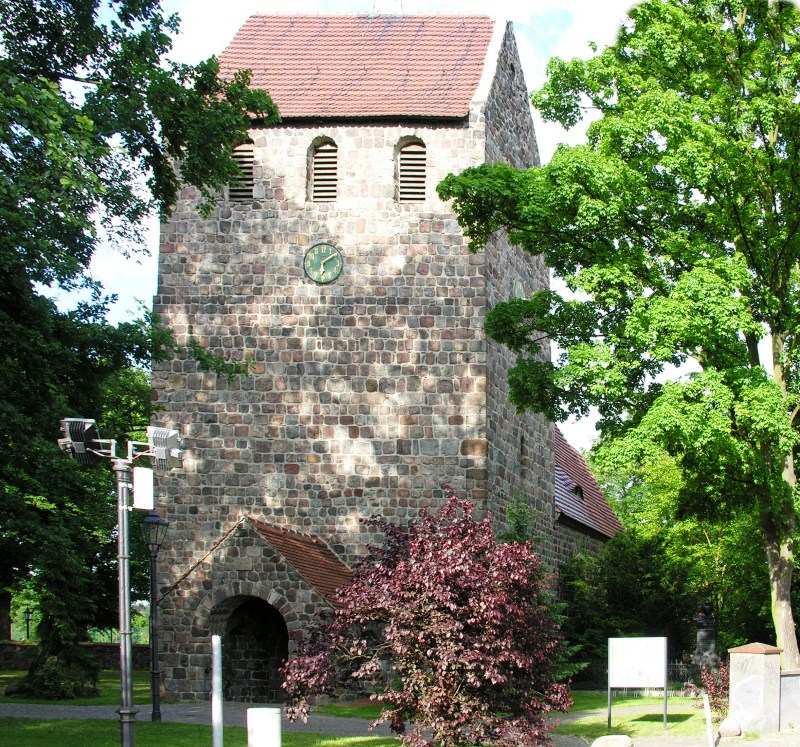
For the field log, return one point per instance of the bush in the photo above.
(55, 680)
(716, 684)
(451, 628)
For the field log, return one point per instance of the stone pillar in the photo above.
(755, 687)
(790, 698)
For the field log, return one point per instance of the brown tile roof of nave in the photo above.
(590, 509)
(309, 556)
(363, 66)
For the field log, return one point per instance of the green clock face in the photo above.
(323, 263)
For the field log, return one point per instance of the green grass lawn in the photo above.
(108, 682)
(588, 718)
(369, 711)
(636, 717)
(32, 733)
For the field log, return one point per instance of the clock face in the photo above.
(323, 263)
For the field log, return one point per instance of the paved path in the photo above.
(235, 714)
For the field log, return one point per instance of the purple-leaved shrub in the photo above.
(450, 628)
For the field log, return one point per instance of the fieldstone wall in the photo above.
(520, 448)
(216, 594)
(19, 655)
(365, 395)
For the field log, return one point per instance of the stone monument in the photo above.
(705, 652)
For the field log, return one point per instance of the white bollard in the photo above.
(263, 727)
(216, 690)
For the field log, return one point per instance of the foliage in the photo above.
(107, 692)
(450, 626)
(625, 590)
(716, 685)
(97, 129)
(718, 559)
(520, 519)
(675, 228)
(208, 361)
(56, 680)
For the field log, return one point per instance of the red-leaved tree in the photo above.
(449, 628)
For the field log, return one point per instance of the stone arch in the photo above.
(255, 625)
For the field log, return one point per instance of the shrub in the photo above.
(55, 680)
(716, 684)
(450, 627)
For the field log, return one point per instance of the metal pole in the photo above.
(127, 713)
(155, 685)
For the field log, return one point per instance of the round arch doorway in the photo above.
(255, 644)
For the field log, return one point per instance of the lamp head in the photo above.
(154, 529)
(81, 440)
(165, 443)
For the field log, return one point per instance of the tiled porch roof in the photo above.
(308, 555)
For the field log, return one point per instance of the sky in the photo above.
(543, 28)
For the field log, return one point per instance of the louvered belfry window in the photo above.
(324, 176)
(411, 172)
(243, 188)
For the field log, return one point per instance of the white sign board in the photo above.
(143, 497)
(637, 662)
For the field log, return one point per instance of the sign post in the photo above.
(637, 663)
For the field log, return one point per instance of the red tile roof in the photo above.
(308, 555)
(590, 508)
(363, 66)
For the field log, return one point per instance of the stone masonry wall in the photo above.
(364, 395)
(204, 596)
(520, 448)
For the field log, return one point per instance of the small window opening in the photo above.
(578, 490)
(243, 188)
(411, 166)
(324, 174)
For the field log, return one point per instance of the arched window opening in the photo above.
(242, 189)
(324, 174)
(411, 167)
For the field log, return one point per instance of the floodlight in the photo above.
(81, 440)
(165, 444)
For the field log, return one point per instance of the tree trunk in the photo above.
(5, 616)
(781, 566)
(776, 532)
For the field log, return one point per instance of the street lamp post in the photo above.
(82, 441)
(154, 529)
(127, 713)
(28, 616)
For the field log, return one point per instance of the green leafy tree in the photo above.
(97, 130)
(702, 558)
(626, 589)
(676, 226)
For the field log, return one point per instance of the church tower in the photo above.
(346, 284)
